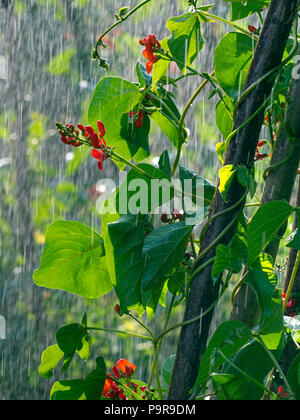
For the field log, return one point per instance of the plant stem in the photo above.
(117, 23)
(292, 282)
(157, 347)
(142, 325)
(144, 337)
(233, 25)
(190, 321)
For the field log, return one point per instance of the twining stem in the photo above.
(233, 25)
(292, 282)
(191, 321)
(181, 122)
(248, 377)
(202, 267)
(142, 325)
(157, 347)
(117, 23)
(144, 337)
(221, 213)
(237, 287)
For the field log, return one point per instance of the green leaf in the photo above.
(152, 188)
(124, 244)
(293, 377)
(226, 175)
(224, 119)
(72, 390)
(50, 359)
(165, 165)
(160, 68)
(263, 280)
(112, 100)
(71, 339)
(164, 249)
(168, 369)
(253, 360)
(186, 40)
(264, 225)
(243, 176)
(229, 387)
(145, 79)
(198, 182)
(95, 381)
(226, 259)
(271, 324)
(90, 388)
(230, 337)
(73, 261)
(233, 57)
(241, 9)
(168, 116)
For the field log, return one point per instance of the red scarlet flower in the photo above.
(151, 45)
(117, 309)
(127, 368)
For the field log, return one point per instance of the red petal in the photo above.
(123, 363)
(96, 154)
(149, 67)
(101, 128)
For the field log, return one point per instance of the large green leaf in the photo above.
(253, 360)
(113, 99)
(164, 249)
(263, 280)
(224, 119)
(90, 388)
(186, 40)
(226, 175)
(241, 9)
(230, 337)
(226, 259)
(233, 56)
(130, 193)
(73, 261)
(197, 183)
(50, 359)
(264, 225)
(73, 338)
(124, 244)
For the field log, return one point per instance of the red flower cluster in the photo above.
(151, 44)
(70, 135)
(258, 155)
(139, 120)
(122, 369)
(112, 391)
(290, 305)
(72, 138)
